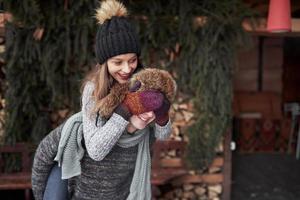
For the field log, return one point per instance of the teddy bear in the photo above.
(143, 80)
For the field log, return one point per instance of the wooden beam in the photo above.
(227, 168)
(259, 27)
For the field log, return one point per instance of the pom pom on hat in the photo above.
(108, 9)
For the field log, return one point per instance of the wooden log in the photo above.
(217, 162)
(204, 178)
(172, 162)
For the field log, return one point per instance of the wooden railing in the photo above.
(16, 180)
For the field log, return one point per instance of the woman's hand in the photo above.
(130, 128)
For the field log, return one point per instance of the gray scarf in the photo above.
(70, 152)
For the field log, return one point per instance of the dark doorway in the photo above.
(264, 164)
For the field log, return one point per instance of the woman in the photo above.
(115, 160)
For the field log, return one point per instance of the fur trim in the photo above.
(108, 9)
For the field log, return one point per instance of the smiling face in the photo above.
(122, 66)
(142, 120)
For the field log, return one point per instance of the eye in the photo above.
(118, 63)
(132, 60)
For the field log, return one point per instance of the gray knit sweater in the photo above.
(106, 169)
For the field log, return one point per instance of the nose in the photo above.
(126, 68)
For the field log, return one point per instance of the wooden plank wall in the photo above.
(246, 72)
(247, 96)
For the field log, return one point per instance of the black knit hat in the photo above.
(116, 34)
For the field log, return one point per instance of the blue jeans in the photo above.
(56, 188)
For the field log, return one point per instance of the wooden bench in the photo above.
(16, 180)
(165, 170)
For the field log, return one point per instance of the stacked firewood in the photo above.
(194, 191)
(182, 117)
(201, 185)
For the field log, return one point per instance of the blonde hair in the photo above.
(102, 81)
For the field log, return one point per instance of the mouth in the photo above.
(143, 119)
(124, 76)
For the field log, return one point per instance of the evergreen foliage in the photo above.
(43, 75)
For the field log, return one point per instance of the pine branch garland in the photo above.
(44, 75)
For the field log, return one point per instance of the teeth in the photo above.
(124, 75)
(142, 119)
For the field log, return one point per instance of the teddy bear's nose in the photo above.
(137, 84)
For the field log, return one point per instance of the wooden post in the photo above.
(226, 195)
